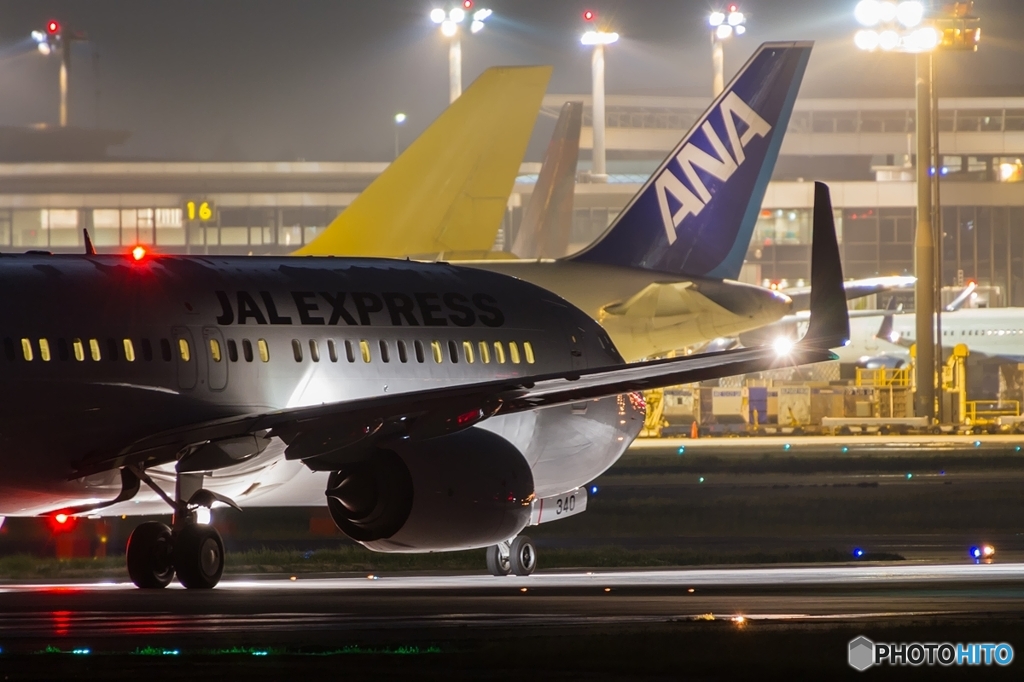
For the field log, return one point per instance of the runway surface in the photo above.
(108, 616)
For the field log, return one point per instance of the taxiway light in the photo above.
(974, 552)
(858, 553)
(593, 490)
(53, 27)
(437, 15)
(987, 551)
(138, 253)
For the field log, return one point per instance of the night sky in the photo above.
(321, 79)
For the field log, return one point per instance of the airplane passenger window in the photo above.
(332, 350)
(499, 353)
(403, 352)
(9, 349)
(485, 355)
(364, 350)
(26, 349)
(528, 350)
(467, 350)
(297, 350)
(215, 350)
(264, 350)
(314, 350)
(44, 350)
(112, 349)
(385, 354)
(62, 349)
(453, 351)
(435, 347)
(79, 349)
(129, 350)
(165, 350)
(349, 354)
(247, 350)
(513, 352)
(183, 350)
(94, 350)
(232, 350)
(147, 350)
(418, 345)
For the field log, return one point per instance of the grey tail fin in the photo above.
(544, 232)
(829, 326)
(90, 250)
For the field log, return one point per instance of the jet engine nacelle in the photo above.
(461, 491)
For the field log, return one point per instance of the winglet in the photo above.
(90, 250)
(829, 326)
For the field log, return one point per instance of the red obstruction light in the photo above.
(467, 4)
(138, 253)
(53, 28)
(734, 7)
(589, 15)
(61, 522)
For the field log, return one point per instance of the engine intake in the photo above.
(461, 491)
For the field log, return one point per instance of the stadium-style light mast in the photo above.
(57, 37)
(598, 39)
(906, 27)
(724, 24)
(451, 21)
(400, 118)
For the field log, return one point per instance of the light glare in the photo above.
(437, 15)
(44, 48)
(783, 346)
(476, 26)
(867, 12)
(910, 13)
(400, 118)
(203, 516)
(599, 38)
(922, 40)
(887, 11)
(736, 18)
(866, 40)
(741, 29)
(888, 40)
(482, 14)
(449, 28)
(457, 15)
(723, 31)
(716, 18)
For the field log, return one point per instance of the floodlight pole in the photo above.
(599, 171)
(924, 246)
(454, 68)
(65, 66)
(717, 65)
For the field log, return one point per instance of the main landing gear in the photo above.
(192, 550)
(518, 557)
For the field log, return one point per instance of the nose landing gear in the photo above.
(518, 557)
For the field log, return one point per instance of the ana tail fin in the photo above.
(449, 190)
(547, 221)
(696, 213)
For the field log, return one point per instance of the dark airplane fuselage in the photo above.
(99, 351)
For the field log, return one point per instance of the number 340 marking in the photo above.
(565, 504)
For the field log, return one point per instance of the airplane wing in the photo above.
(323, 435)
(855, 288)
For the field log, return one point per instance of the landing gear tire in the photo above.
(149, 556)
(198, 556)
(523, 556)
(499, 562)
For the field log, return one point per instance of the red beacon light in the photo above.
(467, 4)
(589, 15)
(53, 27)
(734, 7)
(138, 253)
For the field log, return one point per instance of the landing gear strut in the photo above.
(194, 551)
(518, 557)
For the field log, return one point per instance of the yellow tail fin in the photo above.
(447, 191)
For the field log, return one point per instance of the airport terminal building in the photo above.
(859, 146)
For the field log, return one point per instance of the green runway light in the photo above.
(682, 449)
(846, 449)
(787, 446)
(909, 475)
(700, 480)
(81, 652)
(1017, 449)
(977, 443)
